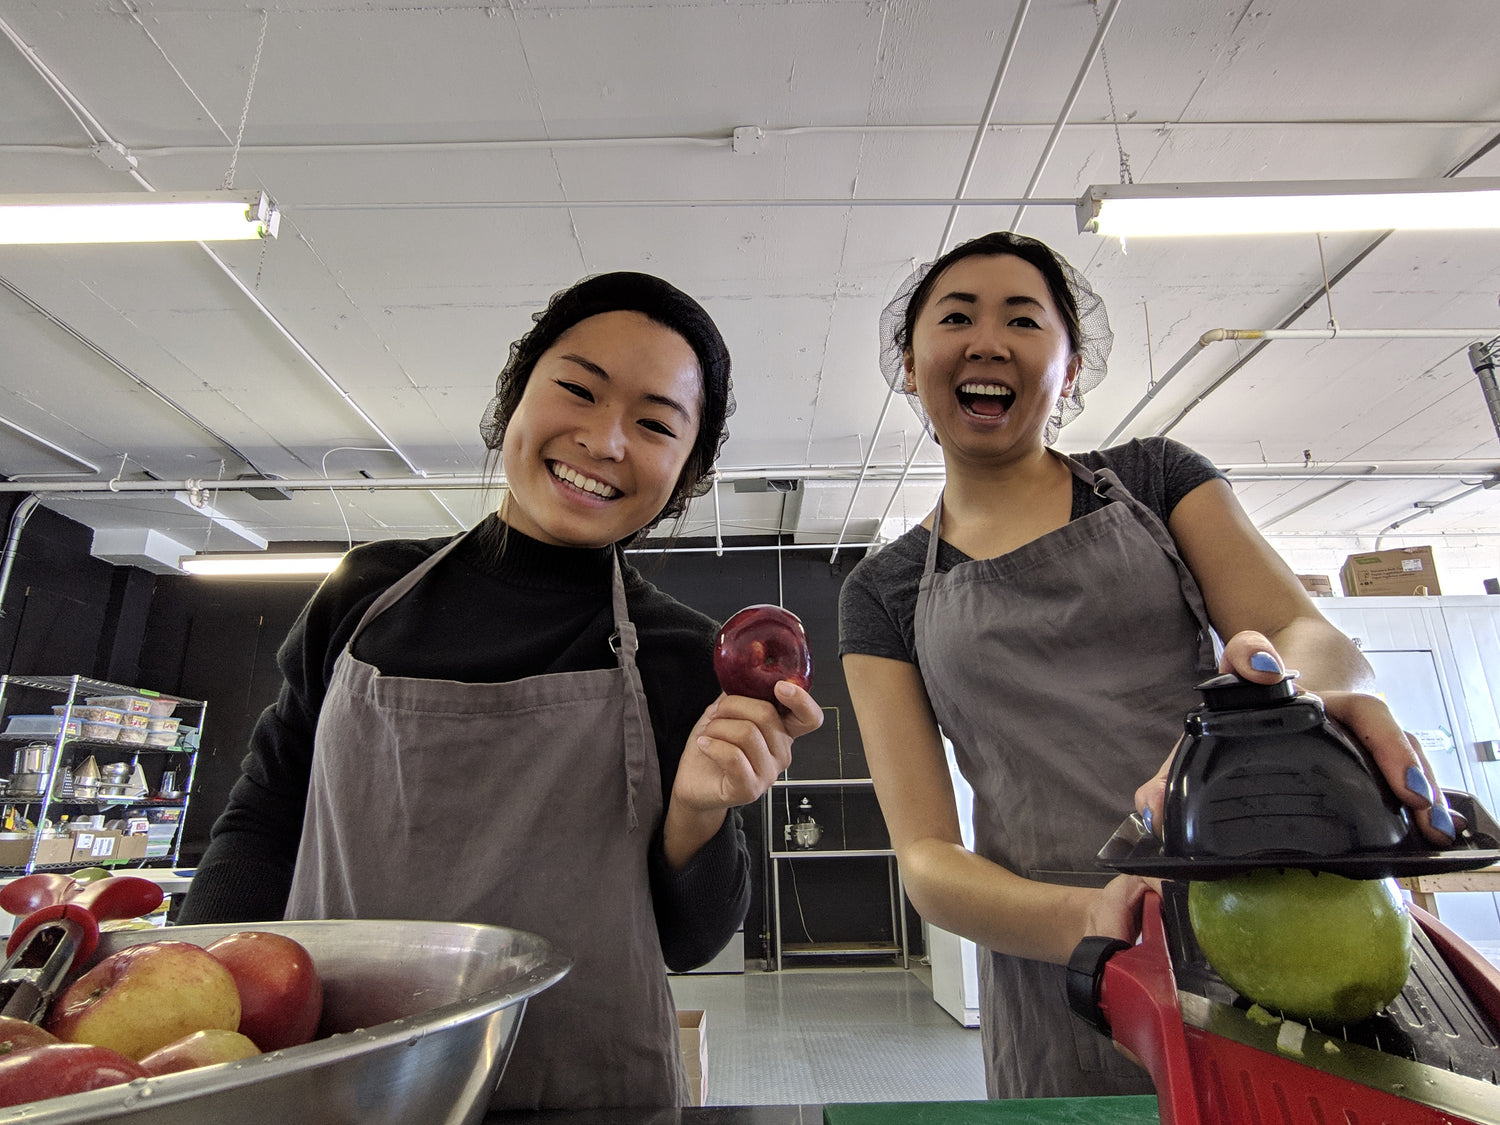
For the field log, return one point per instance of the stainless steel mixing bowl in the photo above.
(418, 1021)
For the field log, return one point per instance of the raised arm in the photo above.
(949, 885)
(1255, 601)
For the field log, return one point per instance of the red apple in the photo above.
(18, 1035)
(758, 647)
(281, 995)
(54, 1069)
(201, 1048)
(145, 997)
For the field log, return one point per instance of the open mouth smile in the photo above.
(985, 400)
(582, 483)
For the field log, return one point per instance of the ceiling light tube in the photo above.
(1289, 206)
(163, 216)
(266, 565)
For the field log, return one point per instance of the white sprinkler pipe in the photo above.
(1215, 335)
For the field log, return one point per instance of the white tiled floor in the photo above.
(808, 1036)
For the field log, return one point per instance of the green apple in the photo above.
(1310, 944)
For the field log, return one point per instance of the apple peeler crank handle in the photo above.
(35, 972)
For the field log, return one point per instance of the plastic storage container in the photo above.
(46, 725)
(154, 725)
(102, 732)
(133, 703)
(135, 720)
(91, 714)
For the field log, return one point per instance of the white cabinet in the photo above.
(1437, 662)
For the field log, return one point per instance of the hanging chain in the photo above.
(1114, 114)
(265, 19)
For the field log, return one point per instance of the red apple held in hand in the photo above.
(757, 648)
(145, 997)
(281, 994)
(55, 1069)
(19, 1035)
(201, 1048)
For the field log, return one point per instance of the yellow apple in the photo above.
(201, 1048)
(1309, 944)
(146, 996)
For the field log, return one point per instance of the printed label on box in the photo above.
(103, 845)
(1411, 564)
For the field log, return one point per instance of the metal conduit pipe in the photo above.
(18, 520)
(88, 466)
(1464, 471)
(1428, 507)
(1067, 110)
(101, 136)
(1482, 358)
(1217, 335)
(963, 184)
(718, 519)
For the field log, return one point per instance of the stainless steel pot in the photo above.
(36, 758)
(27, 784)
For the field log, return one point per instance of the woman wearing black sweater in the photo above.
(513, 727)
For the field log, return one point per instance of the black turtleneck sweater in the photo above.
(482, 615)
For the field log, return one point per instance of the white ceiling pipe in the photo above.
(718, 519)
(1067, 110)
(88, 466)
(963, 186)
(896, 492)
(99, 136)
(1216, 335)
(1464, 471)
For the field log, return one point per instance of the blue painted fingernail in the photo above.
(1146, 818)
(1417, 782)
(1265, 662)
(1442, 819)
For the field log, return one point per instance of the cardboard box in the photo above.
(131, 848)
(52, 849)
(94, 845)
(1402, 572)
(1318, 585)
(692, 1031)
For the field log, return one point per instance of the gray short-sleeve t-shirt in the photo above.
(878, 602)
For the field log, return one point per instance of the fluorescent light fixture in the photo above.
(162, 216)
(263, 565)
(1289, 206)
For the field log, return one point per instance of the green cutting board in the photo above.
(1139, 1110)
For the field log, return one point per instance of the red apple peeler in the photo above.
(59, 927)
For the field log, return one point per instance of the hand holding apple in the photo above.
(54, 1069)
(759, 647)
(281, 994)
(145, 997)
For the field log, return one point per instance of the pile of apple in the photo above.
(161, 1007)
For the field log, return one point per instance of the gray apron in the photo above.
(1061, 672)
(529, 804)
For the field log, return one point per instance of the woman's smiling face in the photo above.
(603, 430)
(990, 356)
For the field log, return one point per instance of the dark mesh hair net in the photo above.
(669, 307)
